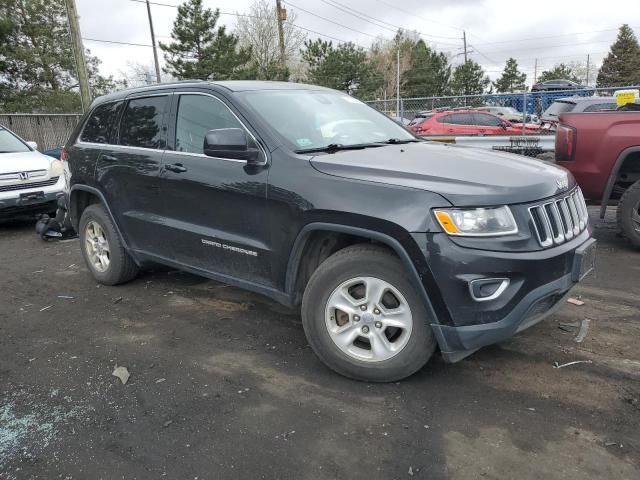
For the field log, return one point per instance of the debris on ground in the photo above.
(285, 434)
(557, 365)
(68, 297)
(575, 301)
(122, 373)
(410, 472)
(610, 444)
(117, 300)
(584, 328)
(46, 308)
(160, 380)
(167, 423)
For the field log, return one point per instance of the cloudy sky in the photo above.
(550, 31)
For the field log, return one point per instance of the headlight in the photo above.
(56, 168)
(477, 222)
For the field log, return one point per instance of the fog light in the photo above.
(485, 289)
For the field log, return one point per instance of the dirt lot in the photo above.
(224, 385)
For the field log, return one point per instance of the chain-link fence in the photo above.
(534, 103)
(47, 130)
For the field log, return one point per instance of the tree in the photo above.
(511, 79)
(345, 67)
(621, 67)
(259, 31)
(468, 79)
(383, 57)
(199, 50)
(428, 74)
(560, 71)
(37, 67)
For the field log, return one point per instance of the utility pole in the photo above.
(281, 16)
(587, 80)
(398, 81)
(78, 51)
(464, 39)
(153, 43)
(535, 71)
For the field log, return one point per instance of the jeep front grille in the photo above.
(560, 219)
(25, 186)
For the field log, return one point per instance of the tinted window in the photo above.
(197, 114)
(597, 107)
(463, 119)
(557, 108)
(487, 120)
(141, 124)
(99, 124)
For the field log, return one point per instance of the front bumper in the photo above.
(30, 201)
(539, 282)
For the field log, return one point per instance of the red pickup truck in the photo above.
(602, 150)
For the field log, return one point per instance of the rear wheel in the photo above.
(102, 248)
(629, 214)
(364, 318)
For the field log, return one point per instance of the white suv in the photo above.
(30, 182)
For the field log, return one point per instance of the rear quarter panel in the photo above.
(601, 137)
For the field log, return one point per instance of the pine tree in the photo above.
(511, 79)
(428, 73)
(199, 50)
(621, 67)
(345, 67)
(469, 79)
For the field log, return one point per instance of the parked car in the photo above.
(30, 182)
(391, 244)
(602, 150)
(465, 122)
(551, 115)
(509, 113)
(557, 84)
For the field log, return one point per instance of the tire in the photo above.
(360, 270)
(628, 214)
(120, 267)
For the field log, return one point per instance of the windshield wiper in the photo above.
(397, 141)
(336, 147)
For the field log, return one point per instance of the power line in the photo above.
(425, 19)
(160, 4)
(550, 36)
(323, 34)
(331, 21)
(100, 40)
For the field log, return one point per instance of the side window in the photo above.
(141, 124)
(463, 119)
(197, 114)
(598, 107)
(487, 120)
(100, 123)
(447, 119)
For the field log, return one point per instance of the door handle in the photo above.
(175, 167)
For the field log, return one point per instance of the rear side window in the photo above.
(487, 120)
(597, 107)
(100, 123)
(141, 124)
(197, 114)
(557, 108)
(463, 119)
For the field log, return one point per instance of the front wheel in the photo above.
(364, 318)
(629, 214)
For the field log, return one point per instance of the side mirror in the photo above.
(501, 114)
(231, 143)
(33, 145)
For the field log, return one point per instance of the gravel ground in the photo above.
(224, 385)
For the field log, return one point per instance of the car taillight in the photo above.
(64, 155)
(565, 143)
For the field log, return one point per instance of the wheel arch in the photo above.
(295, 264)
(627, 156)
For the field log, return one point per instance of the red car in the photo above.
(465, 122)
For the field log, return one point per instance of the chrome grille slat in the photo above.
(25, 186)
(560, 220)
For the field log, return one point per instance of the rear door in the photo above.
(214, 209)
(128, 170)
(488, 124)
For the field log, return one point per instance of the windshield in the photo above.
(309, 119)
(9, 143)
(557, 108)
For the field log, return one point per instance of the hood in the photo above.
(464, 176)
(24, 162)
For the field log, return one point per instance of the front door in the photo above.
(128, 170)
(214, 208)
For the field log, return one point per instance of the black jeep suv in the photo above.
(392, 245)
